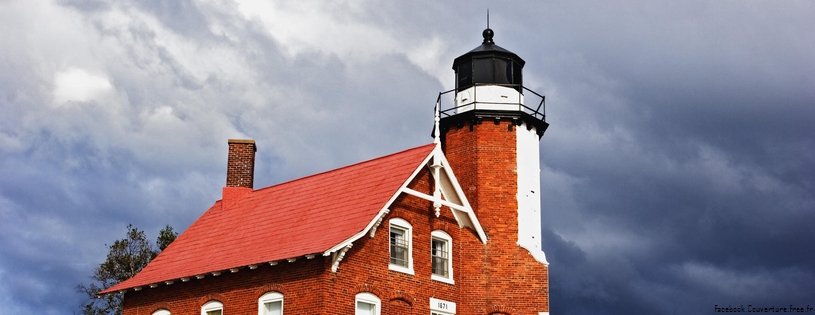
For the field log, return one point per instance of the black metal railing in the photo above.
(538, 112)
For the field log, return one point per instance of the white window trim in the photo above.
(270, 297)
(404, 225)
(366, 297)
(438, 234)
(212, 306)
(161, 312)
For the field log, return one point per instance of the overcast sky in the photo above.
(678, 172)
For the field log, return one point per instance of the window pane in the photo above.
(465, 72)
(273, 308)
(398, 247)
(516, 76)
(365, 308)
(483, 71)
(502, 71)
(215, 312)
(439, 257)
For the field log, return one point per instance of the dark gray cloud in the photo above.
(677, 173)
(691, 168)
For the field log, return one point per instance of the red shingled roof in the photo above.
(304, 216)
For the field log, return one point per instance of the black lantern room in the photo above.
(488, 64)
(489, 86)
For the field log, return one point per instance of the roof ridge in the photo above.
(342, 167)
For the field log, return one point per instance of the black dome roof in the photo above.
(486, 49)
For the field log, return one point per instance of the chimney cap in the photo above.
(244, 141)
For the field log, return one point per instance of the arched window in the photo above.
(161, 312)
(270, 304)
(441, 259)
(401, 252)
(367, 304)
(212, 308)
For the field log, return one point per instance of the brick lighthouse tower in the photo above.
(491, 139)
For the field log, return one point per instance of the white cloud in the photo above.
(427, 55)
(313, 26)
(77, 85)
(316, 26)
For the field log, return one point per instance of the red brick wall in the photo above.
(239, 292)
(501, 276)
(365, 267)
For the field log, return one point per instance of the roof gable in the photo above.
(448, 193)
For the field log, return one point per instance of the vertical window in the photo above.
(367, 304)
(401, 256)
(465, 75)
(439, 255)
(503, 71)
(399, 246)
(517, 78)
(212, 308)
(440, 258)
(161, 312)
(271, 304)
(483, 70)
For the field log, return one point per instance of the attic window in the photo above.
(401, 253)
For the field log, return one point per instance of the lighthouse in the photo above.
(491, 138)
(446, 228)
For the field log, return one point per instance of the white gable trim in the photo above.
(429, 197)
(377, 219)
(450, 190)
(454, 196)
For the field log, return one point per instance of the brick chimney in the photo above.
(240, 170)
(240, 165)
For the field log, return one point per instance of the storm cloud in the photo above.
(677, 174)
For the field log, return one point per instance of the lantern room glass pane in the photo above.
(493, 71)
(465, 76)
(483, 71)
(517, 78)
(502, 71)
